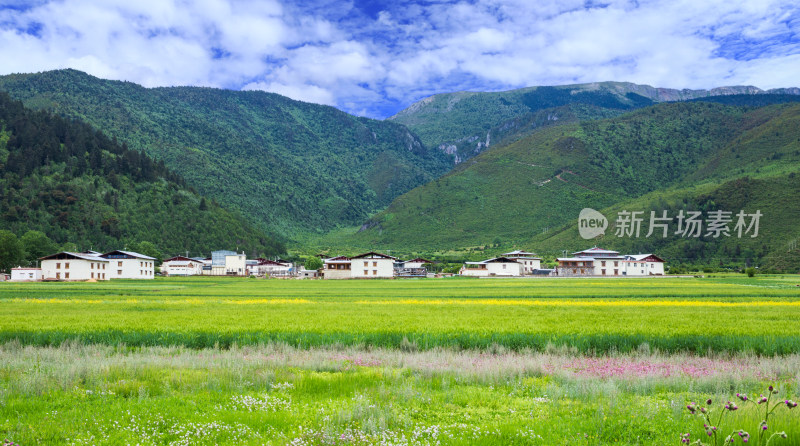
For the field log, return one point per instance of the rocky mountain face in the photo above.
(465, 124)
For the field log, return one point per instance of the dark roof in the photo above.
(372, 255)
(127, 254)
(500, 260)
(419, 259)
(182, 259)
(64, 255)
(338, 259)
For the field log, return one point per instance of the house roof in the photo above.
(128, 253)
(494, 260)
(419, 259)
(339, 259)
(182, 259)
(25, 269)
(270, 262)
(595, 250)
(518, 253)
(373, 255)
(655, 258)
(73, 255)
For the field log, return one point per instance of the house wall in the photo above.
(528, 265)
(610, 266)
(473, 272)
(337, 273)
(79, 269)
(131, 268)
(372, 268)
(182, 268)
(504, 269)
(26, 274)
(236, 264)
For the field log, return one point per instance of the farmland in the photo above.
(451, 361)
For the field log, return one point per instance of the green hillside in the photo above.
(80, 188)
(466, 123)
(525, 193)
(287, 166)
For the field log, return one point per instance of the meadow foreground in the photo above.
(204, 361)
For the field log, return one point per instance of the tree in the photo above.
(313, 263)
(36, 244)
(11, 253)
(149, 249)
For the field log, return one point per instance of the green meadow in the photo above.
(182, 361)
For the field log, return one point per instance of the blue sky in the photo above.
(373, 57)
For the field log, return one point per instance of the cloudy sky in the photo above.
(375, 57)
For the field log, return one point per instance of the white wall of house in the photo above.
(474, 269)
(337, 270)
(372, 268)
(529, 264)
(137, 268)
(504, 268)
(26, 274)
(611, 266)
(182, 268)
(236, 264)
(75, 269)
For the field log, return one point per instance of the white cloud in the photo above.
(372, 62)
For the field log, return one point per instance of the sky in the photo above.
(373, 58)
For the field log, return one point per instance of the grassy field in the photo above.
(592, 315)
(417, 362)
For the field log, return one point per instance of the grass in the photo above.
(592, 315)
(183, 361)
(276, 394)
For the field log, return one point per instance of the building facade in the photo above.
(497, 267)
(181, 266)
(130, 265)
(74, 266)
(528, 260)
(26, 274)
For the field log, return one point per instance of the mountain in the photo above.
(71, 182)
(466, 123)
(671, 156)
(288, 167)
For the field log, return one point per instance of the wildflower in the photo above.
(685, 438)
(703, 409)
(763, 399)
(691, 407)
(742, 396)
(790, 404)
(708, 402)
(730, 406)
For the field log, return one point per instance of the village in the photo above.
(96, 266)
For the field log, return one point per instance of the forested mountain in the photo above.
(467, 123)
(81, 188)
(287, 166)
(688, 155)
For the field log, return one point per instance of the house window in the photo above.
(616, 263)
(119, 264)
(119, 272)
(92, 265)
(104, 267)
(58, 266)
(616, 272)
(92, 275)
(66, 265)
(603, 272)
(374, 272)
(504, 266)
(58, 276)
(66, 275)
(366, 263)
(603, 263)
(365, 272)
(375, 264)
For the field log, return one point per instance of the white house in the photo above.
(72, 266)
(182, 266)
(129, 265)
(643, 265)
(373, 265)
(497, 267)
(370, 265)
(266, 267)
(528, 260)
(26, 274)
(419, 262)
(602, 262)
(337, 268)
(307, 274)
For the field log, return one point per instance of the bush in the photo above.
(750, 272)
